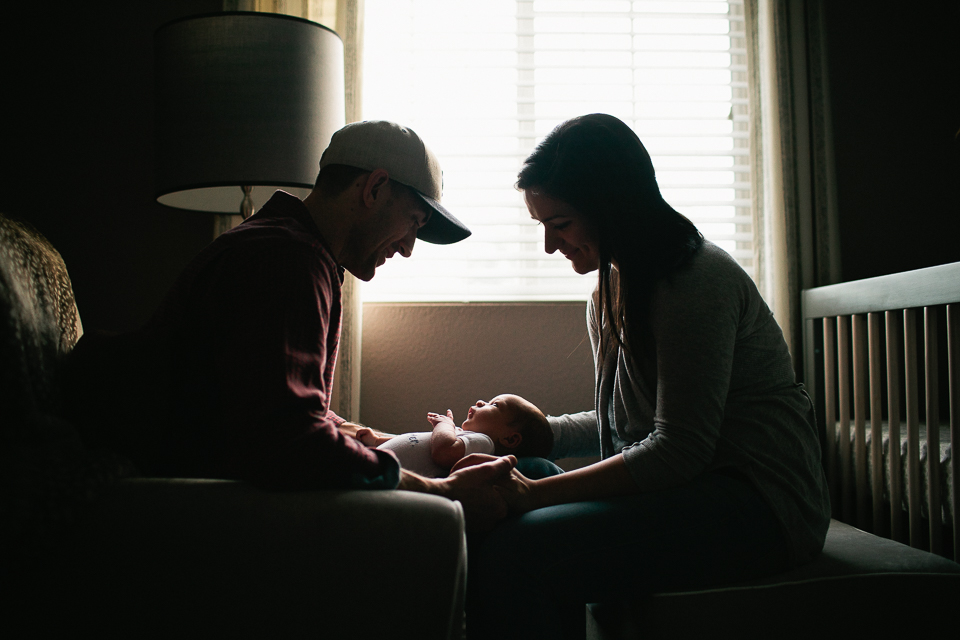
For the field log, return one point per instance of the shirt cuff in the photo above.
(389, 477)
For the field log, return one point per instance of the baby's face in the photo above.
(491, 417)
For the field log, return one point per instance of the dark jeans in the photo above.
(532, 576)
(536, 468)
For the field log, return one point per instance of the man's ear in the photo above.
(376, 188)
(512, 440)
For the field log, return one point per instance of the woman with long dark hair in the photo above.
(710, 463)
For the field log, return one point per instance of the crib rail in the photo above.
(869, 348)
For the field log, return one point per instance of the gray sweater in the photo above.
(721, 393)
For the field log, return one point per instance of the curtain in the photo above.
(795, 211)
(794, 197)
(346, 399)
(346, 18)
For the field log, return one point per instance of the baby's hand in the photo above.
(436, 418)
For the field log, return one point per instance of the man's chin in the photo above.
(366, 273)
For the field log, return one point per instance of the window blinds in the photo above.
(483, 81)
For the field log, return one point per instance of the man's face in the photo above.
(389, 229)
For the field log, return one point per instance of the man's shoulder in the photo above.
(270, 239)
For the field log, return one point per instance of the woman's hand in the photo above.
(473, 481)
(515, 489)
(518, 492)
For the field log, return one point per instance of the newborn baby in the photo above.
(507, 424)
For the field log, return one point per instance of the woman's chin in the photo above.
(585, 267)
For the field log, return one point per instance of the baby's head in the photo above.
(516, 426)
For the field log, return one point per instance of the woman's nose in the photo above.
(480, 403)
(550, 241)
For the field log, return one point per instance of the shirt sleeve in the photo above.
(474, 442)
(694, 319)
(280, 315)
(577, 435)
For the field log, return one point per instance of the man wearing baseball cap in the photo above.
(237, 365)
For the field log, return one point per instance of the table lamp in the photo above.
(245, 104)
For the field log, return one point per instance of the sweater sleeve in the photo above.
(275, 358)
(577, 435)
(694, 319)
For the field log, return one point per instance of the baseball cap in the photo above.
(378, 144)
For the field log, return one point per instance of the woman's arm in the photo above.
(605, 479)
(574, 435)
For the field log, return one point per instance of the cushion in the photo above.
(861, 585)
(48, 478)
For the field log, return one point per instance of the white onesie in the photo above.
(413, 450)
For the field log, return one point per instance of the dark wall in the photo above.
(78, 147)
(895, 93)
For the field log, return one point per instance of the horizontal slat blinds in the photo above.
(483, 82)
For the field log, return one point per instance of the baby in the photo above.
(508, 424)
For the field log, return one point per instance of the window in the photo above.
(483, 82)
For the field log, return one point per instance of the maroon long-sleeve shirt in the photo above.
(232, 376)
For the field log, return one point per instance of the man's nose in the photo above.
(406, 244)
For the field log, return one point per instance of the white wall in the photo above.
(433, 357)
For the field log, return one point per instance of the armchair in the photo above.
(89, 547)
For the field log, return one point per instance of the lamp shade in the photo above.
(243, 99)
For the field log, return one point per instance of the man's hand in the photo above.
(514, 489)
(473, 482)
(366, 435)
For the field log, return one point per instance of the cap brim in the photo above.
(443, 227)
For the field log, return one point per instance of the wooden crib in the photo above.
(881, 360)
(869, 348)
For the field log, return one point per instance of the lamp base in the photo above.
(224, 222)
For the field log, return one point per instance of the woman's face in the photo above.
(564, 228)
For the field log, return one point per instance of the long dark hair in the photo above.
(597, 164)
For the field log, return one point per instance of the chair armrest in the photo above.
(215, 558)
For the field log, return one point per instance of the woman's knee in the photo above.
(537, 468)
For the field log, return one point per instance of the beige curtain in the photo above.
(795, 213)
(346, 18)
(346, 399)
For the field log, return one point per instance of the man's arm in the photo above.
(446, 448)
(473, 486)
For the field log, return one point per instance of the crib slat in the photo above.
(843, 391)
(860, 417)
(913, 425)
(953, 356)
(933, 429)
(830, 402)
(893, 417)
(876, 425)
